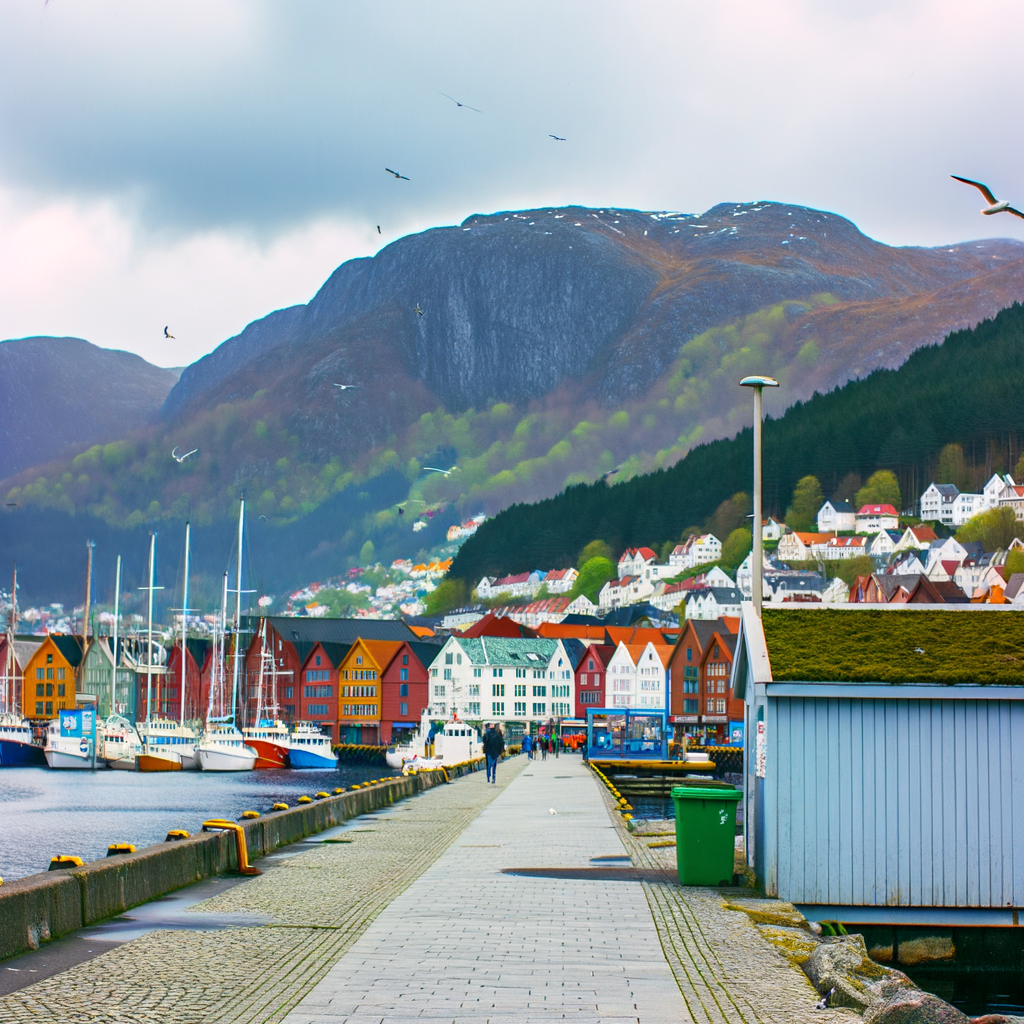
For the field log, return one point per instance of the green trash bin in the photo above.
(705, 834)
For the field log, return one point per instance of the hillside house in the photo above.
(581, 605)
(905, 563)
(625, 590)
(869, 737)
(1013, 497)
(483, 588)
(916, 538)
(845, 547)
(997, 487)
(522, 584)
(792, 587)
(772, 530)
(802, 547)
(945, 504)
(550, 609)
(883, 543)
(713, 603)
(636, 561)
(872, 518)
(695, 551)
(887, 588)
(591, 674)
(837, 517)
(560, 581)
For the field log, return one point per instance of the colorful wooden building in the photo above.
(591, 674)
(51, 673)
(96, 676)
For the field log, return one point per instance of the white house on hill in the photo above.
(836, 517)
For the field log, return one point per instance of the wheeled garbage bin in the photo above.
(705, 834)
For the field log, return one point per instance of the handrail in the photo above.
(244, 867)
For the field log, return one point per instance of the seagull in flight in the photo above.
(182, 458)
(416, 309)
(456, 102)
(443, 472)
(557, 138)
(994, 205)
(396, 174)
(345, 387)
(167, 334)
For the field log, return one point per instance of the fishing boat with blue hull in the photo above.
(17, 748)
(308, 747)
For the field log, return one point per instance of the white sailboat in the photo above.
(120, 745)
(269, 735)
(222, 747)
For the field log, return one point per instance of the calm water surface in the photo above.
(45, 812)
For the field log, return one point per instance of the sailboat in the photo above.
(268, 736)
(120, 745)
(222, 747)
(16, 745)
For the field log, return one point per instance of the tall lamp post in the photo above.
(757, 557)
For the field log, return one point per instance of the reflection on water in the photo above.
(45, 812)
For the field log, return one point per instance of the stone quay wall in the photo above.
(54, 903)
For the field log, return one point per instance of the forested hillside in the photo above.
(965, 391)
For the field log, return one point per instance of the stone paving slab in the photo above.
(468, 942)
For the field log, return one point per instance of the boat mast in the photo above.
(238, 613)
(9, 685)
(221, 651)
(263, 666)
(89, 545)
(184, 623)
(117, 615)
(149, 630)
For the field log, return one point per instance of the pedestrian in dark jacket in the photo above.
(494, 747)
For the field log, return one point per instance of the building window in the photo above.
(496, 672)
(474, 690)
(49, 673)
(49, 707)
(520, 707)
(39, 688)
(49, 659)
(458, 659)
(691, 707)
(540, 709)
(477, 673)
(689, 654)
(60, 673)
(318, 659)
(473, 709)
(497, 689)
(289, 711)
(498, 707)
(520, 690)
(359, 659)
(403, 673)
(439, 691)
(60, 690)
(447, 673)
(405, 659)
(590, 665)
(403, 690)
(317, 691)
(288, 691)
(403, 709)
(691, 686)
(318, 709)
(39, 673)
(540, 691)
(711, 706)
(369, 710)
(39, 707)
(590, 697)
(448, 658)
(49, 689)
(315, 676)
(720, 705)
(721, 686)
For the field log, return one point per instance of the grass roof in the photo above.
(881, 646)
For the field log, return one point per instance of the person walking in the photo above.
(528, 746)
(543, 743)
(494, 747)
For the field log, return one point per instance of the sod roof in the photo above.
(871, 646)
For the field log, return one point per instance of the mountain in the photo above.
(962, 392)
(530, 350)
(64, 394)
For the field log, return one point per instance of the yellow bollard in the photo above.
(115, 848)
(305, 800)
(322, 795)
(175, 834)
(64, 861)
(250, 814)
(279, 807)
(244, 867)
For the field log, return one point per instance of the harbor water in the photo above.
(45, 812)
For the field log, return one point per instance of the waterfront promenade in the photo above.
(411, 914)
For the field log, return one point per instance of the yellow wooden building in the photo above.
(360, 690)
(48, 687)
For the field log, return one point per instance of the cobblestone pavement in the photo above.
(468, 942)
(321, 901)
(727, 971)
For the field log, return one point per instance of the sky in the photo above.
(197, 164)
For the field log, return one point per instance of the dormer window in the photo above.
(359, 659)
(318, 659)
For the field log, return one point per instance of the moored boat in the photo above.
(120, 745)
(17, 748)
(457, 741)
(270, 740)
(222, 748)
(165, 745)
(308, 747)
(66, 751)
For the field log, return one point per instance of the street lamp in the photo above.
(757, 556)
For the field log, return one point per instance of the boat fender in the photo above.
(175, 834)
(279, 807)
(337, 791)
(250, 814)
(64, 861)
(116, 848)
(322, 795)
(305, 800)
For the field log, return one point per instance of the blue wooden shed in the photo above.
(884, 761)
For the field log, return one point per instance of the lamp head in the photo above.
(759, 382)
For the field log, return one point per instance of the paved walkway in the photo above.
(467, 942)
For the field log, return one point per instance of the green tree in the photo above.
(995, 528)
(736, 547)
(729, 515)
(366, 553)
(1018, 470)
(802, 514)
(594, 574)
(1014, 562)
(953, 467)
(595, 549)
(882, 488)
(449, 594)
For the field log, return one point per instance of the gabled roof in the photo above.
(948, 491)
(812, 538)
(726, 595)
(602, 654)
(880, 646)
(725, 639)
(877, 510)
(426, 652)
(382, 651)
(70, 648)
(508, 581)
(858, 541)
(557, 574)
(576, 649)
(592, 630)
(497, 626)
(305, 629)
(1013, 588)
(924, 533)
(505, 651)
(841, 506)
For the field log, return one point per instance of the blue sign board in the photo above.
(78, 723)
(735, 734)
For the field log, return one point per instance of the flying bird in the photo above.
(345, 387)
(378, 229)
(264, 518)
(396, 174)
(456, 102)
(611, 473)
(919, 650)
(443, 472)
(182, 458)
(167, 334)
(557, 138)
(994, 205)
(416, 309)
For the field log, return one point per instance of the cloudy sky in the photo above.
(200, 163)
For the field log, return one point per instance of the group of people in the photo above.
(494, 747)
(541, 744)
